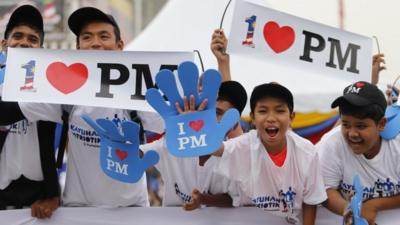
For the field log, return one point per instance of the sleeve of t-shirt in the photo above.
(235, 161)
(314, 191)
(330, 162)
(41, 111)
(151, 121)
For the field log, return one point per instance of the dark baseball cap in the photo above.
(362, 94)
(82, 16)
(271, 89)
(26, 14)
(234, 93)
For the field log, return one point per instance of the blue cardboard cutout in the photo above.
(119, 151)
(392, 128)
(2, 66)
(356, 202)
(193, 134)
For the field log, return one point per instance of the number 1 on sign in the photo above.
(250, 31)
(29, 75)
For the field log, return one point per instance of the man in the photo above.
(28, 175)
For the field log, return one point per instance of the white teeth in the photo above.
(272, 128)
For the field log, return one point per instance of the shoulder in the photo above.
(333, 140)
(300, 144)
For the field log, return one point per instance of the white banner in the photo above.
(173, 216)
(117, 79)
(276, 37)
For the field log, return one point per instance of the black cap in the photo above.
(362, 94)
(272, 89)
(27, 14)
(82, 16)
(234, 93)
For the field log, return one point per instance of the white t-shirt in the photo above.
(281, 190)
(20, 154)
(86, 184)
(182, 175)
(380, 176)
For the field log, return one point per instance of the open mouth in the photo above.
(272, 131)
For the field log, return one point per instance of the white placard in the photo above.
(275, 37)
(117, 79)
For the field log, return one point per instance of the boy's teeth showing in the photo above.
(272, 131)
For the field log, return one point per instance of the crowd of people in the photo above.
(269, 167)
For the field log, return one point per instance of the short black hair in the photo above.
(234, 93)
(274, 90)
(373, 111)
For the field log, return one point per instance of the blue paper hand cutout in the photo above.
(2, 66)
(392, 128)
(197, 133)
(119, 151)
(356, 202)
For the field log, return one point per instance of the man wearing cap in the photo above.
(86, 184)
(356, 148)
(28, 175)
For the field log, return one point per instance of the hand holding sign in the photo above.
(119, 153)
(197, 133)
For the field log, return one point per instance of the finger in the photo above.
(202, 105)
(229, 119)
(185, 104)
(189, 206)
(47, 213)
(131, 132)
(40, 214)
(155, 99)
(189, 78)
(211, 81)
(111, 129)
(34, 210)
(178, 108)
(93, 124)
(192, 106)
(165, 80)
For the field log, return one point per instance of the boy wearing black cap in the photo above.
(276, 168)
(192, 182)
(356, 148)
(27, 178)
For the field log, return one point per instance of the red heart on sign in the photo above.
(278, 38)
(67, 79)
(196, 124)
(121, 154)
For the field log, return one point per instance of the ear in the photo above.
(252, 117)
(292, 116)
(4, 45)
(120, 45)
(381, 124)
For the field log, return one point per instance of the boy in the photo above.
(28, 175)
(356, 148)
(191, 182)
(276, 168)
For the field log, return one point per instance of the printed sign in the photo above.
(195, 133)
(119, 150)
(86, 77)
(276, 37)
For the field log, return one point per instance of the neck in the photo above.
(374, 150)
(275, 149)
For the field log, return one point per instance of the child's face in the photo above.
(362, 135)
(221, 108)
(272, 119)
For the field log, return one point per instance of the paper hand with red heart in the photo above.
(196, 133)
(119, 150)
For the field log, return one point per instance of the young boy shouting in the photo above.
(356, 148)
(276, 168)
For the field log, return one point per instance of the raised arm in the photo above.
(377, 67)
(219, 42)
